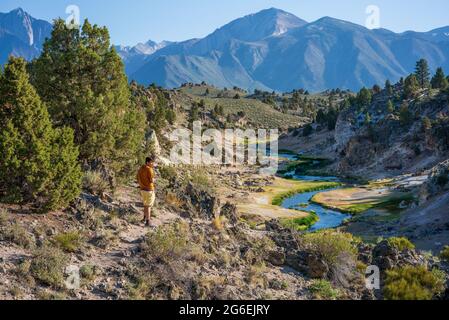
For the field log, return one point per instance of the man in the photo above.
(145, 177)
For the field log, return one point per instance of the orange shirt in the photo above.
(145, 177)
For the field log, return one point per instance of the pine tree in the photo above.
(82, 80)
(411, 86)
(39, 164)
(439, 80)
(389, 88)
(422, 73)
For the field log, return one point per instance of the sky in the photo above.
(134, 21)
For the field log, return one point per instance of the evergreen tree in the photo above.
(439, 80)
(39, 164)
(405, 115)
(390, 106)
(81, 78)
(422, 73)
(411, 86)
(389, 88)
(364, 97)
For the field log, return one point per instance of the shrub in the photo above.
(201, 180)
(444, 255)
(4, 217)
(173, 200)
(168, 173)
(331, 245)
(88, 272)
(18, 235)
(69, 241)
(47, 266)
(168, 242)
(413, 283)
(94, 183)
(323, 290)
(401, 243)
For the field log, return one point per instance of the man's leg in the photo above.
(146, 214)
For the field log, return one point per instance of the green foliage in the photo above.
(439, 80)
(323, 290)
(4, 217)
(401, 243)
(69, 241)
(422, 73)
(413, 283)
(307, 131)
(411, 86)
(168, 173)
(364, 97)
(300, 224)
(94, 183)
(201, 180)
(82, 79)
(389, 88)
(444, 255)
(167, 243)
(405, 115)
(39, 163)
(390, 106)
(47, 266)
(18, 235)
(332, 245)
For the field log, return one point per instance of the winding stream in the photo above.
(302, 201)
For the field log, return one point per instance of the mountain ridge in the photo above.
(268, 50)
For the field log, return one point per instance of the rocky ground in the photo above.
(200, 247)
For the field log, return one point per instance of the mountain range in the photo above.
(269, 50)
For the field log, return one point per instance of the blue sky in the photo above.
(134, 21)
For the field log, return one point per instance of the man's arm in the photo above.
(151, 175)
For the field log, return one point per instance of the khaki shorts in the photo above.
(148, 198)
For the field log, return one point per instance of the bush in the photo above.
(413, 283)
(94, 183)
(168, 242)
(18, 235)
(69, 241)
(331, 245)
(323, 290)
(401, 243)
(444, 255)
(168, 173)
(47, 266)
(4, 217)
(201, 181)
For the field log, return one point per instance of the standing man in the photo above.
(145, 177)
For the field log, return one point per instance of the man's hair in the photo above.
(149, 159)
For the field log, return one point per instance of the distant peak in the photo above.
(18, 11)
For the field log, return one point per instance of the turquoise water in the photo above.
(328, 218)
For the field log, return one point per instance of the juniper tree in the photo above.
(81, 78)
(39, 164)
(439, 80)
(411, 86)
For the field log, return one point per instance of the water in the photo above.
(328, 218)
